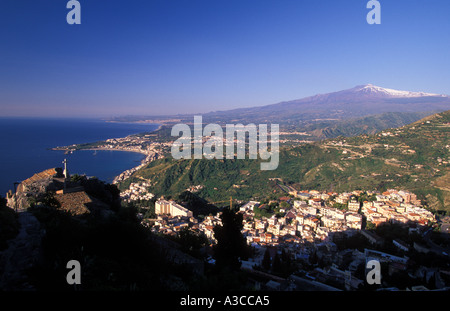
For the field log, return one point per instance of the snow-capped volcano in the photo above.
(361, 100)
(371, 89)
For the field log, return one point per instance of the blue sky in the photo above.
(159, 57)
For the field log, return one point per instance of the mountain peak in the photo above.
(370, 89)
(359, 101)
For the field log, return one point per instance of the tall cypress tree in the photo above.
(276, 264)
(266, 262)
(231, 244)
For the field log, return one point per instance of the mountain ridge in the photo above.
(347, 112)
(357, 94)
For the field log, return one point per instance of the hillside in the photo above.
(413, 157)
(115, 251)
(363, 125)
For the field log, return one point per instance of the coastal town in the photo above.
(309, 226)
(325, 238)
(145, 144)
(300, 239)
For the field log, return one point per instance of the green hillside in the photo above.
(364, 125)
(413, 157)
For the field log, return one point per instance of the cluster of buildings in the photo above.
(129, 143)
(171, 218)
(308, 230)
(396, 206)
(313, 218)
(170, 225)
(308, 218)
(194, 189)
(303, 221)
(150, 156)
(136, 192)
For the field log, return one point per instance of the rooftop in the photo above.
(74, 202)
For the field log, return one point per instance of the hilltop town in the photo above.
(302, 239)
(299, 240)
(312, 227)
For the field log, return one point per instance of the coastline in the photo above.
(29, 147)
(150, 154)
(127, 173)
(148, 157)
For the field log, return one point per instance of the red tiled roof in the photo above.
(290, 215)
(38, 176)
(74, 202)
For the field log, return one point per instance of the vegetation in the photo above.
(115, 251)
(364, 125)
(231, 244)
(281, 264)
(199, 206)
(191, 243)
(413, 157)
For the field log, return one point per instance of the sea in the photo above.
(26, 148)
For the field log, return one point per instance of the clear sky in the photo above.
(159, 57)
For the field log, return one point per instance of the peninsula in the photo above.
(152, 145)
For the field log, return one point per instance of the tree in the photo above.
(266, 260)
(231, 244)
(286, 259)
(370, 226)
(276, 264)
(191, 242)
(285, 205)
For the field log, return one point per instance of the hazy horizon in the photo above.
(174, 57)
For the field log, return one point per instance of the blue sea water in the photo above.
(26, 143)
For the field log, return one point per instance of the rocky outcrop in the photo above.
(33, 188)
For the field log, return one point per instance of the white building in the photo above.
(353, 205)
(171, 208)
(249, 206)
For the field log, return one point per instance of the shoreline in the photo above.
(149, 156)
(100, 149)
(127, 173)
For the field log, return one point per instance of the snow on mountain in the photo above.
(359, 101)
(371, 89)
